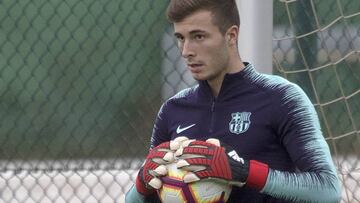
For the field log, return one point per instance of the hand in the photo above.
(212, 159)
(154, 166)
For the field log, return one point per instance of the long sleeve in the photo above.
(160, 131)
(157, 137)
(132, 196)
(299, 129)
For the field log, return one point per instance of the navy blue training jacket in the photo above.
(264, 118)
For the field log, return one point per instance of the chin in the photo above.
(198, 77)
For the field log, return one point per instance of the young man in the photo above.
(268, 142)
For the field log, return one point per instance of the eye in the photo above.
(180, 41)
(199, 37)
(180, 38)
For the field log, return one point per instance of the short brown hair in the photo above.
(225, 12)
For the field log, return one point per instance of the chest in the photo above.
(247, 126)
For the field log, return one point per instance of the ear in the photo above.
(232, 35)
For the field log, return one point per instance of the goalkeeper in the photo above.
(268, 142)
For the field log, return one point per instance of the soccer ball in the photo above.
(174, 190)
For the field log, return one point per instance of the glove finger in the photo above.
(161, 157)
(151, 176)
(155, 154)
(198, 161)
(158, 161)
(179, 152)
(195, 151)
(193, 147)
(169, 157)
(155, 183)
(177, 142)
(181, 139)
(181, 155)
(174, 145)
(191, 177)
(184, 165)
(163, 147)
(214, 141)
(202, 144)
(150, 165)
(187, 142)
(198, 144)
(196, 164)
(161, 170)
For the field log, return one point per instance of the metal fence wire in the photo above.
(81, 83)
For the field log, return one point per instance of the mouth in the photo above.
(195, 67)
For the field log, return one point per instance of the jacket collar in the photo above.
(230, 82)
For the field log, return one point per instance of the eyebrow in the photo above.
(176, 34)
(197, 31)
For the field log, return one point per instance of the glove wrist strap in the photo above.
(258, 173)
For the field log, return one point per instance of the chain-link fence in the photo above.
(317, 45)
(82, 81)
(80, 86)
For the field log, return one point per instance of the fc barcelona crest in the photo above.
(240, 122)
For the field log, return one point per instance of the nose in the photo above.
(187, 50)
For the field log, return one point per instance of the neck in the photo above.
(234, 66)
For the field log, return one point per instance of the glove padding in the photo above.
(211, 159)
(154, 166)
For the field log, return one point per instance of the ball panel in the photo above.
(172, 193)
(175, 173)
(210, 191)
(175, 190)
(169, 182)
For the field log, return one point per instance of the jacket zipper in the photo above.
(212, 121)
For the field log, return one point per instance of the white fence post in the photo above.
(256, 26)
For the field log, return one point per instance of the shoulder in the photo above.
(287, 98)
(291, 103)
(279, 87)
(288, 92)
(184, 94)
(181, 96)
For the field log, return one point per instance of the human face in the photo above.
(203, 46)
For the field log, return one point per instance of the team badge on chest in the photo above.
(240, 122)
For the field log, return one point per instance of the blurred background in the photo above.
(81, 83)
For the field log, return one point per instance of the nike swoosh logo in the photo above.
(179, 129)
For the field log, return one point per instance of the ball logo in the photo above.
(240, 122)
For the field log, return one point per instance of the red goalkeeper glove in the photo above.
(154, 166)
(211, 160)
